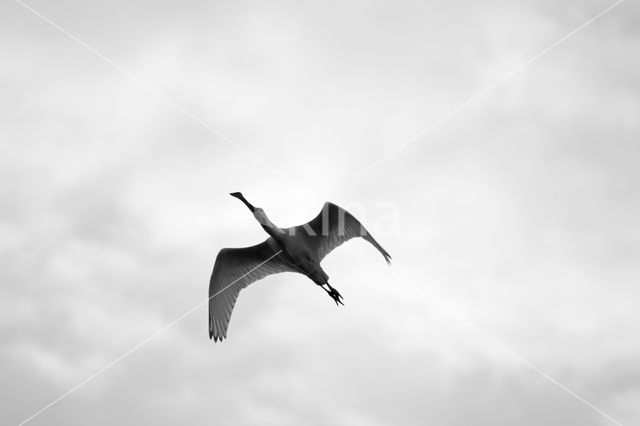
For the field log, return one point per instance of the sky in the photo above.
(512, 222)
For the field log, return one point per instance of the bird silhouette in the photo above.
(297, 249)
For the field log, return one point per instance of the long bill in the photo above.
(240, 197)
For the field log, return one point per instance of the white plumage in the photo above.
(297, 249)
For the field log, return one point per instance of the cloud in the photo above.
(519, 212)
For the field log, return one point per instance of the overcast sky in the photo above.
(513, 224)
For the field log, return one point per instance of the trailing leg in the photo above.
(334, 294)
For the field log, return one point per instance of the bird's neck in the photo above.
(267, 225)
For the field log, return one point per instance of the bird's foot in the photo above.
(337, 297)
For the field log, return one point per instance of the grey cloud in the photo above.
(519, 212)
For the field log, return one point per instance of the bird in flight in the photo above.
(297, 249)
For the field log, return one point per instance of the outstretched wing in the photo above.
(236, 268)
(332, 227)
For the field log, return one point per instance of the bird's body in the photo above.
(297, 249)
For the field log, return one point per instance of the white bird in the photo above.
(296, 249)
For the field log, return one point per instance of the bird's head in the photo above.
(240, 197)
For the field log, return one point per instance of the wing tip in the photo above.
(216, 338)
